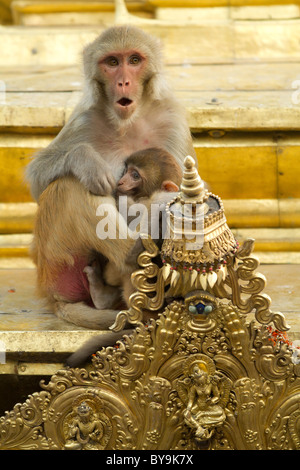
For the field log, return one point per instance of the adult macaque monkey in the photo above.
(149, 177)
(69, 254)
(126, 106)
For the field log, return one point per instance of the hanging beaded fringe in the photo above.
(198, 277)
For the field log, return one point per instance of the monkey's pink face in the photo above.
(123, 72)
(130, 182)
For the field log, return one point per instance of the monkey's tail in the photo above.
(93, 345)
(81, 314)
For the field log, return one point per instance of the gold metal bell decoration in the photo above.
(199, 239)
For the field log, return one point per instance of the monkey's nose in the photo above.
(125, 83)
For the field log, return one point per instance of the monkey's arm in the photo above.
(81, 161)
(91, 170)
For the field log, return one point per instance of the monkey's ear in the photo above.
(169, 186)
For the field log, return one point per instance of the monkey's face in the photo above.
(123, 75)
(131, 182)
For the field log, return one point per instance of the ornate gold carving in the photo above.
(171, 385)
(246, 287)
(86, 427)
(149, 295)
(220, 267)
(202, 376)
(205, 393)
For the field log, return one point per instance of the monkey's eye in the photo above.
(135, 175)
(112, 61)
(134, 59)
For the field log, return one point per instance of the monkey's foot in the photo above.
(93, 276)
(103, 296)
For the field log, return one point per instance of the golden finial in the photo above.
(191, 185)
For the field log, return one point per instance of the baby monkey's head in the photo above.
(147, 171)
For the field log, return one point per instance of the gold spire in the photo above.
(191, 185)
(196, 251)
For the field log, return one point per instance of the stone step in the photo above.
(15, 245)
(244, 116)
(191, 12)
(217, 3)
(209, 110)
(266, 240)
(251, 96)
(18, 218)
(234, 165)
(61, 12)
(201, 42)
(234, 158)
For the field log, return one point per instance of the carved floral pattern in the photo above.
(142, 388)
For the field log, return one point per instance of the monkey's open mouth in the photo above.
(124, 102)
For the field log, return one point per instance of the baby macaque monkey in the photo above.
(148, 175)
(148, 171)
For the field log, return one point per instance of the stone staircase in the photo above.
(235, 67)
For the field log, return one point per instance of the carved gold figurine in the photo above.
(205, 395)
(202, 376)
(86, 427)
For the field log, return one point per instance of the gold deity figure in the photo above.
(86, 428)
(205, 393)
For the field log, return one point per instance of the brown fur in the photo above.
(88, 156)
(65, 228)
(158, 166)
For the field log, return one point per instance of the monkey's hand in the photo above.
(98, 179)
(91, 170)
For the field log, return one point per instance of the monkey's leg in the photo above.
(112, 275)
(70, 221)
(81, 314)
(103, 296)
